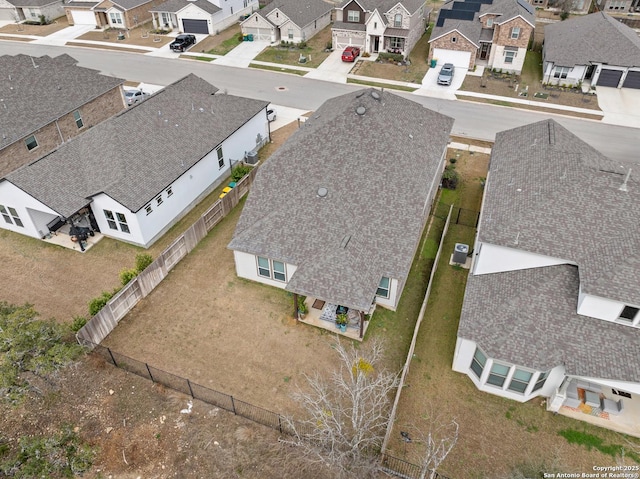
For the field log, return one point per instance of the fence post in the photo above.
(149, 371)
(233, 405)
(477, 219)
(458, 217)
(112, 358)
(280, 423)
(190, 390)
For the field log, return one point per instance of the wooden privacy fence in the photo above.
(98, 327)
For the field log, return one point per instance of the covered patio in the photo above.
(323, 314)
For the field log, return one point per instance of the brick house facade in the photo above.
(456, 42)
(60, 130)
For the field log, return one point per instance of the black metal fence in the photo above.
(459, 216)
(389, 464)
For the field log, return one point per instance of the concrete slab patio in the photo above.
(621, 106)
(332, 69)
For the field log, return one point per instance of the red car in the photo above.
(350, 54)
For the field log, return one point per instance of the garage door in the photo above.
(344, 40)
(609, 78)
(6, 14)
(195, 26)
(83, 17)
(258, 33)
(459, 59)
(632, 80)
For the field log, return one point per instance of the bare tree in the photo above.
(347, 414)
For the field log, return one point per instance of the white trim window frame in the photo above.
(540, 380)
(384, 287)
(115, 18)
(78, 119)
(31, 142)
(489, 22)
(220, 155)
(353, 16)
(515, 33)
(509, 56)
(520, 380)
(397, 20)
(561, 72)
(11, 216)
(478, 363)
(629, 315)
(498, 374)
(272, 269)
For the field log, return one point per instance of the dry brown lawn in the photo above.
(38, 30)
(212, 41)
(140, 36)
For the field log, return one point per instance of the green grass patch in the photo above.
(277, 69)
(532, 69)
(226, 46)
(388, 86)
(591, 441)
(313, 50)
(202, 59)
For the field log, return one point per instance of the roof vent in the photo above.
(322, 192)
(375, 95)
(623, 187)
(360, 94)
(345, 241)
(361, 110)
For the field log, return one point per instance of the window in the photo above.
(628, 314)
(78, 119)
(31, 142)
(115, 18)
(540, 381)
(375, 25)
(33, 13)
(165, 19)
(454, 39)
(159, 200)
(11, 216)
(122, 222)
(111, 221)
(561, 72)
(278, 271)
(169, 191)
(520, 381)
(353, 16)
(220, 157)
(396, 43)
(478, 362)
(509, 55)
(489, 22)
(148, 209)
(383, 288)
(263, 267)
(515, 33)
(397, 21)
(290, 34)
(498, 374)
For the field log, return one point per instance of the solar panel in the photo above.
(440, 21)
(467, 6)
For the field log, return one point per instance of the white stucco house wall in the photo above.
(201, 16)
(171, 151)
(552, 303)
(30, 10)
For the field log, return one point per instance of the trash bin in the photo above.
(250, 37)
(434, 62)
(120, 36)
(245, 38)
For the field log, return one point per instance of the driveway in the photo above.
(431, 88)
(621, 106)
(166, 52)
(332, 69)
(243, 54)
(61, 37)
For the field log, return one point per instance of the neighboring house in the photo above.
(140, 171)
(379, 25)
(20, 10)
(571, 54)
(552, 304)
(495, 34)
(617, 6)
(337, 213)
(123, 14)
(578, 7)
(288, 20)
(201, 16)
(47, 101)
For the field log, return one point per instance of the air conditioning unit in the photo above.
(251, 158)
(460, 252)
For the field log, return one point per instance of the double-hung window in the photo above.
(520, 381)
(220, 157)
(498, 374)
(397, 21)
(353, 16)
(540, 381)
(509, 55)
(383, 287)
(271, 269)
(561, 72)
(478, 362)
(515, 33)
(11, 216)
(78, 119)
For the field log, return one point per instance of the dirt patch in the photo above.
(314, 51)
(38, 30)
(140, 36)
(213, 42)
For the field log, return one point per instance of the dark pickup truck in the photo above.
(182, 42)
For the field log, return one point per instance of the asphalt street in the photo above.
(476, 120)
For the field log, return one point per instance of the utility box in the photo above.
(252, 158)
(460, 252)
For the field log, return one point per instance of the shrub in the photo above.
(159, 31)
(396, 57)
(142, 261)
(302, 307)
(328, 46)
(302, 44)
(240, 37)
(127, 274)
(240, 172)
(450, 178)
(96, 304)
(78, 323)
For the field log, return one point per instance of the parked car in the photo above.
(446, 74)
(134, 96)
(182, 42)
(271, 114)
(350, 54)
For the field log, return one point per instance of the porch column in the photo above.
(295, 307)
(361, 323)
(154, 19)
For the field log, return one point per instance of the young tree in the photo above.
(348, 413)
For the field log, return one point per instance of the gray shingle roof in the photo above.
(472, 29)
(87, 5)
(129, 4)
(173, 6)
(136, 154)
(300, 12)
(528, 318)
(595, 38)
(379, 169)
(33, 97)
(385, 5)
(361, 27)
(31, 3)
(560, 198)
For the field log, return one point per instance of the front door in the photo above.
(590, 70)
(376, 44)
(485, 48)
